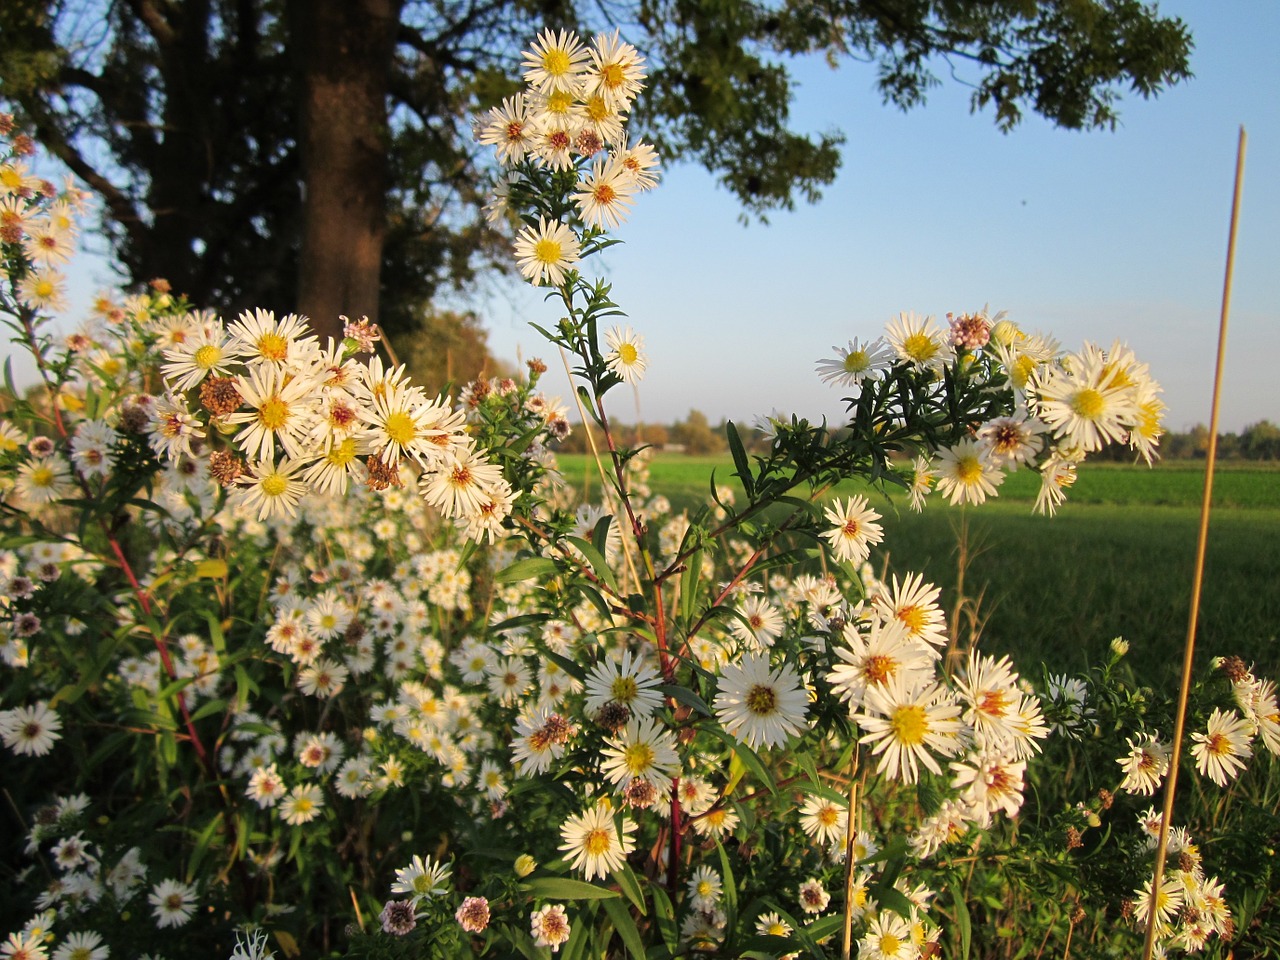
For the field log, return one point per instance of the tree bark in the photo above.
(344, 50)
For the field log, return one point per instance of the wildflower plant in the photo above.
(350, 668)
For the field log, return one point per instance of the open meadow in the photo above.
(1116, 560)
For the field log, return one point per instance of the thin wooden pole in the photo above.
(851, 826)
(1197, 577)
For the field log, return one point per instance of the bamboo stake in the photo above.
(850, 859)
(1162, 845)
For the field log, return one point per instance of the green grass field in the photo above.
(1117, 560)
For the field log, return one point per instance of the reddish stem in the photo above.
(677, 830)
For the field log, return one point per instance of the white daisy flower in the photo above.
(595, 843)
(759, 706)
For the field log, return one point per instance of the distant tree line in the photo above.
(696, 435)
(1257, 441)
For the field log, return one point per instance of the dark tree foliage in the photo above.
(241, 148)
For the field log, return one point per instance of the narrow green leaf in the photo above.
(749, 757)
(600, 534)
(563, 888)
(689, 581)
(215, 634)
(740, 461)
(963, 922)
(625, 924)
(530, 568)
(825, 926)
(728, 885)
(665, 914)
(597, 561)
(571, 667)
(686, 696)
(209, 709)
(630, 885)
(524, 620)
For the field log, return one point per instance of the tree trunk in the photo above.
(343, 50)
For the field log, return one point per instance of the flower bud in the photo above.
(525, 865)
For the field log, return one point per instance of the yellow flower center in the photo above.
(342, 454)
(969, 470)
(1218, 745)
(627, 354)
(598, 842)
(559, 102)
(556, 62)
(638, 757)
(761, 700)
(889, 944)
(547, 251)
(920, 347)
(909, 724)
(273, 484)
(207, 356)
(400, 428)
(598, 110)
(604, 195)
(856, 361)
(1088, 403)
(274, 413)
(623, 689)
(912, 617)
(272, 346)
(42, 477)
(44, 289)
(612, 75)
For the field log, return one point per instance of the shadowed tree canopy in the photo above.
(317, 154)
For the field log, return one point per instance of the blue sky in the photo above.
(1083, 235)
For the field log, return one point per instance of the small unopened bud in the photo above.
(525, 865)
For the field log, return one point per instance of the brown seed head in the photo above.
(225, 467)
(1235, 669)
(382, 475)
(219, 396)
(613, 716)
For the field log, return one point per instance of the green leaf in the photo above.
(571, 667)
(600, 535)
(524, 620)
(597, 561)
(962, 920)
(625, 924)
(728, 885)
(740, 461)
(521, 941)
(665, 914)
(745, 754)
(825, 926)
(209, 709)
(630, 885)
(530, 568)
(686, 696)
(215, 635)
(563, 888)
(689, 581)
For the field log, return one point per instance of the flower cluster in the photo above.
(1055, 407)
(313, 419)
